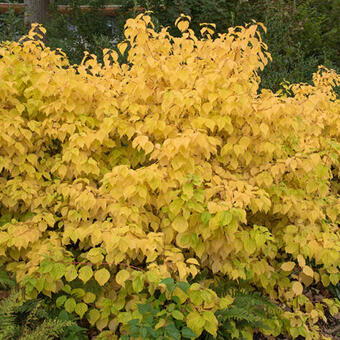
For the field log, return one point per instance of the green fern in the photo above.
(49, 329)
(5, 280)
(28, 320)
(9, 328)
(250, 311)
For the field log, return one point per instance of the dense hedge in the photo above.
(128, 192)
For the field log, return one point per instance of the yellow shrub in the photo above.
(170, 164)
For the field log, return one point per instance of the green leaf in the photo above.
(102, 276)
(89, 297)
(162, 312)
(188, 190)
(134, 322)
(85, 273)
(67, 289)
(176, 314)
(172, 331)
(45, 267)
(143, 332)
(78, 293)
(134, 331)
(93, 316)
(162, 298)
(81, 309)
(226, 218)
(58, 271)
(205, 217)
(71, 273)
(144, 308)
(70, 305)
(170, 284)
(176, 299)
(61, 300)
(187, 333)
(184, 286)
(154, 334)
(138, 284)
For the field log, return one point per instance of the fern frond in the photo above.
(9, 329)
(249, 311)
(5, 280)
(49, 329)
(28, 320)
(254, 301)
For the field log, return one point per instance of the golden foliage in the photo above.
(174, 160)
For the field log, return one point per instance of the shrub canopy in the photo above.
(117, 176)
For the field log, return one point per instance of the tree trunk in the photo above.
(36, 11)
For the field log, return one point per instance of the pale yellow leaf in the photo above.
(297, 288)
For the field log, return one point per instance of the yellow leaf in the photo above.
(264, 129)
(71, 273)
(122, 47)
(81, 309)
(211, 323)
(249, 245)
(89, 297)
(183, 25)
(334, 278)
(196, 322)
(102, 276)
(301, 260)
(288, 266)
(188, 190)
(160, 323)
(297, 288)
(176, 314)
(70, 305)
(85, 273)
(180, 224)
(306, 280)
(93, 316)
(192, 261)
(180, 294)
(95, 255)
(325, 280)
(308, 271)
(314, 314)
(138, 283)
(122, 276)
